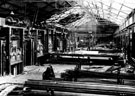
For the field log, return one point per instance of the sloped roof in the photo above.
(113, 10)
(79, 19)
(86, 24)
(73, 13)
(75, 19)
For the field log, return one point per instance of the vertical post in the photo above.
(52, 38)
(66, 40)
(127, 43)
(56, 41)
(22, 42)
(46, 40)
(8, 50)
(1, 69)
(32, 48)
(62, 40)
(133, 42)
(35, 41)
(32, 52)
(64, 43)
(25, 32)
(130, 42)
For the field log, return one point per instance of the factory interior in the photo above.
(67, 47)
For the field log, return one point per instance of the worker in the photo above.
(77, 70)
(49, 73)
(119, 79)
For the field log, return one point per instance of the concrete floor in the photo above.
(35, 72)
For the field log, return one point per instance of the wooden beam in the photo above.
(105, 75)
(7, 90)
(81, 87)
(56, 93)
(4, 86)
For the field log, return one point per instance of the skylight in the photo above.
(112, 10)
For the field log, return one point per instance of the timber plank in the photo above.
(3, 86)
(7, 90)
(81, 87)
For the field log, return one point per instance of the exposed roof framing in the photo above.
(115, 8)
(102, 9)
(28, 8)
(107, 8)
(126, 6)
(120, 10)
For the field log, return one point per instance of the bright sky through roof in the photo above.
(113, 10)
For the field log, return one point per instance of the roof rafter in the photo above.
(113, 8)
(102, 8)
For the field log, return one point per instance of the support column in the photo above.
(133, 43)
(54, 41)
(8, 51)
(46, 40)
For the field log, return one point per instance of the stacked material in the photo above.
(81, 87)
(5, 89)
